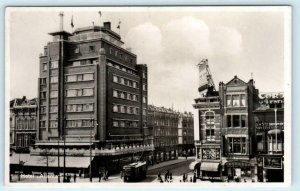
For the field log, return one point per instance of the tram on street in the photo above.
(135, 172)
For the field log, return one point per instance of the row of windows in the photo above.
(125, 109)
(125, 123)
(92, 61)
(117, 66)
(236, 120)
(118, 54)
(53, 65)
(91, 49)
(80, 92)
(236, 100)
(25, 124)
(79, 77)
(80, 107)
(79, 123)
(125, 82)
(125, 95)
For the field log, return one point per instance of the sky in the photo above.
(171, 41)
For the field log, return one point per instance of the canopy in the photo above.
(210, 166)
(193, 165)
(71, 162)
(274, 131)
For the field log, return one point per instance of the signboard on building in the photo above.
(272, 162)
(211, 153)
(269, 126)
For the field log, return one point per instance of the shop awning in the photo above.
(19, 158)
(193, 165)
(274, 131)
(71, 162)
(210, 166)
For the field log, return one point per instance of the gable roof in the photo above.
(236, 82)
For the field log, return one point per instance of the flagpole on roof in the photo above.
(100, 14)
(72, 23)
(119, 26)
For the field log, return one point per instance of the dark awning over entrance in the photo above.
(193, 165)
(210, 166)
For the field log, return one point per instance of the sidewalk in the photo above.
(167, 163)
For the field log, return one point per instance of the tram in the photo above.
(135, 172)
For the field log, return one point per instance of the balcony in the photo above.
(207, 102)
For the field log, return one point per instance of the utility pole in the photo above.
(276, 127)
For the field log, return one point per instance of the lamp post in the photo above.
(276, 128)
(92, 126)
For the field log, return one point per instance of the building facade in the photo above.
(269, 125)
(163, 124)
(23, 123)
(186, 146)
(92, 96)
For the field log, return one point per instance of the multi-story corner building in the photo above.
(209, 146)
(186, 146)
(163, 123)
(238, 99)
(92, 95)
(23, 113)
(227, 131)
(269, 125)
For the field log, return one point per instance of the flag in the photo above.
(100, 13)
(119, 25)
(72, 24)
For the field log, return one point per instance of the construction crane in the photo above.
(205, 78)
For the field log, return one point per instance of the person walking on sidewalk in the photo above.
(100, 176)
(75, 176)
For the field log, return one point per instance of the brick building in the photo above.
(269, 125)
(186, 146)
(92, 96)
(23, 113)
(163, 124)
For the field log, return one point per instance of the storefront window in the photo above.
(237, 145)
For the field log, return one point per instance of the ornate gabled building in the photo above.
(23, 123)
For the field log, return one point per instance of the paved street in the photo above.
(176, 167)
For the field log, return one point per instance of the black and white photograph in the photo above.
(185, 95)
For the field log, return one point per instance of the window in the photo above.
(144, 112)
(116, 53)
(53, 124)
(144, 99)
(88, 92)
(79, 77)
(44, 66)
(53, 79)
(53, 94)
(144, 75)
(54, 64)
(125, 58)
(76, 63)
(229, 124)
(71, 78)
(43, 95)
(122, 124)
(236, 120)
(115, 124)
(71, 93)
(111, 51)
(115, 108)
(144, 87)
(82, 62)
(134, 84)
(42, 123)
(243, 100)
(243, 120)
(237, 145)
(91, 48)
(42, 81)
(228, 98)
(260, 143)
(53, 108)
(79, 107)
(88, 107)
(123, 109)
(235, 100)
(115, 79)
(43, 109)
(115, 93)
(76, 51)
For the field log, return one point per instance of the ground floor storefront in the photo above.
(270, 168)
(162, 154)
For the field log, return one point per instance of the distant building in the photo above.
(23, 113)
(163, 123)
(186, 143)
(269, 125)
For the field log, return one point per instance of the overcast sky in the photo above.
(170, 41)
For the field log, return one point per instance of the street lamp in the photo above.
(92, 126)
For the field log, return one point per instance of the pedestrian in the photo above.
(186, 177)
(106, 175)
(158, 176)
(171, 178)
(191, 179)
(75, 176)
(80, 173)
(180, 180)
(183, 177)
(121, 174)
(166, 176)
(194, 178)
(100, 176)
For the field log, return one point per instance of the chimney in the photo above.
(107, 25)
